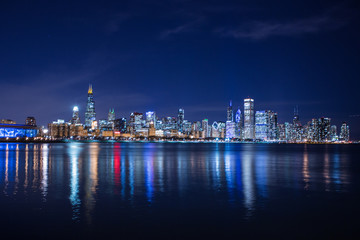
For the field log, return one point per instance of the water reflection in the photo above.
(74, 151)
(130, 173)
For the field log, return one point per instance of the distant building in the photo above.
(230, 129)
(323, 129)
(120, 125)
(281, 132)
(230, 114)
(150, 118)
(344, 132)
(7, 121)
(59, 129)
(238, 124)
(90, 114)
(205, 128)
(181, 117)
(30, 121)
(111, 115)
(261, 125)
(17, 131)
(75, 116)
(249, 120)
(333, 133)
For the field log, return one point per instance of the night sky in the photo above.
(161, 55)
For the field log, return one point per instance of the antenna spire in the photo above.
(90, 91)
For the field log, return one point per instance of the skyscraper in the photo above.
(230, 129)
(249, 121)
(344, 132)
(111, 115)
(90, 114)
(230, 114)
(238, 124)
(75, 116)
(181, 115)
(261, 125)
(205, 128)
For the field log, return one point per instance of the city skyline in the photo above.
(252, 124)
(195, 55)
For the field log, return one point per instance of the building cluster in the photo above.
(249, 125)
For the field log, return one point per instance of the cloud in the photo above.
(258, 30)
(187, 27)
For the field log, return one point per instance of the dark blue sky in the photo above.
(162, 55)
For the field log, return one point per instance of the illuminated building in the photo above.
(75, 116)
(333, 133)
(261, 125)
(90, 114)
(249, 121)
(59, 129)
(120, 125)
(105, 125)
(344, 132)
(77, 131)
(272, 128)
(135, 121)
(230, 114)
(215, 130)
(17, 131)
(281, 132)
(238, 124)
(230, 129)
(323, 129)
(150, 118)
(30, 121)
(205, 128)
(181, 115)
(7, 121)
(152, 130)
(288, 131)
(111, 115)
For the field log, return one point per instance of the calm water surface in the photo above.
(179, 191)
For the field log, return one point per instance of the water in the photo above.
(179, 191)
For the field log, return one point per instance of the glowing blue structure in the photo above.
(16, 130)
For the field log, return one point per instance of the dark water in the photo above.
(179, 191)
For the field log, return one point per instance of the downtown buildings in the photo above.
(248, 125)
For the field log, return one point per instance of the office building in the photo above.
(249, 119)
(90, 115)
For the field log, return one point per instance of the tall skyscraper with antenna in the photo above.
(230, 114)
(90, 114)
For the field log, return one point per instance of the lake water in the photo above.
(179, 191)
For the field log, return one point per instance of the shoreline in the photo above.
(171, 141)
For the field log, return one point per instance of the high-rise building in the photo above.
(333, 133)
(261, 125)
(181, 115)
(281, 132)
(150, 118)
(205, 128)
(230, 114)
(75, 116)
(30, 121)
(90, 114)
(111, 115)
(230, 129)
(344, 132)
(249, 120)
(136, 120)
(272, 129)
(238, 124)
(323, 129)
(120, 125)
